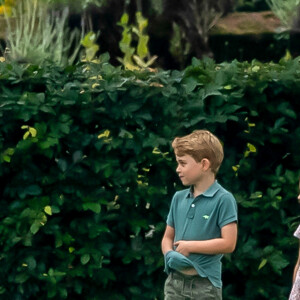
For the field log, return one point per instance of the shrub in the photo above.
(87, 174)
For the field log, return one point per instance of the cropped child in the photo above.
(202, 221)
(295, 292)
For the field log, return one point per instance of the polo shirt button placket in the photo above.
(191, 212)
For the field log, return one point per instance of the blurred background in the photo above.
(178, 30)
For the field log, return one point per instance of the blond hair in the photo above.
(200, 144)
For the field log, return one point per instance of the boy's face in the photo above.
(189, 171)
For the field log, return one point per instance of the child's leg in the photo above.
(181, 287)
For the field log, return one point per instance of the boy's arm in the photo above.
(225, 244)
(168, 240)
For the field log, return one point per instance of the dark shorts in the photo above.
(182, 287)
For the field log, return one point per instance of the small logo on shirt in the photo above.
(206, 217)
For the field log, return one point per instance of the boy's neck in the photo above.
(200, 187)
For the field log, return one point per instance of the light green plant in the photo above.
(125, 43)
(285, 10)
(36, 34)
(76, 4)
(139, 57)
(89, 43)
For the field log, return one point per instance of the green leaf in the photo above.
(21, 278)
(89, 39)
(278, 262)
(62, 164)
(142, 49)
(33, 190)
(84, 259)
(190, 85)
(95, 207)
(48, 210)
(124, 19)
(2, 290)
(262, 263)
(256, 195)
(35, 227)
(30, 263)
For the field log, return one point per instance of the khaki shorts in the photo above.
(179, 286)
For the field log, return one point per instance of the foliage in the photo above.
(178, 48)
(87, 174)
(6, 7)
(286, 11)
(91, 48)
(135, 59)
(78, 4)
(195, 19)
(34, 35)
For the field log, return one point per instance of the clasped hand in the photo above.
(183, 247)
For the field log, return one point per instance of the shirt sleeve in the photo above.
(170, 218)
(227, 210)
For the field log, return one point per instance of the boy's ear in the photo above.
(205, 164)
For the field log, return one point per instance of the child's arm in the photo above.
(296, 266)
(225, 244)
(168, 240)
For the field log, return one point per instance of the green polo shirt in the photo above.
(202, 218)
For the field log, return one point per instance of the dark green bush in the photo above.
(87, 174)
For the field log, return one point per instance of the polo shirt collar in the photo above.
(210, 192)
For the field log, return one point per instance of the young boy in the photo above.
(202, 221)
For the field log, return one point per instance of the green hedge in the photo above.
(87, 174)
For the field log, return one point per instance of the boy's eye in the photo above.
(181, 163)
